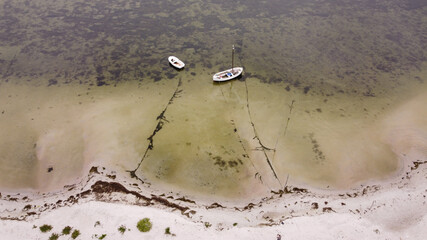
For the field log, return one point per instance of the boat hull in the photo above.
(228, 74)
(174, 61)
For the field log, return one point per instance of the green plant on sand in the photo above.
(66, 230)
(144, 225)
(167, 230)
(54, 236)
(45, 228)
(122, 229)
(75, 234)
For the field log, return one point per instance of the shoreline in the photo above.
(113, 200)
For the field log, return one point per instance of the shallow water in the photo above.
(331, 95)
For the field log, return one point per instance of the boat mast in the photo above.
(232, 59)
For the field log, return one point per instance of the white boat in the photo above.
(174, 61)
(228, 74)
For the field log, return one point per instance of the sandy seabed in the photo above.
(102, 200)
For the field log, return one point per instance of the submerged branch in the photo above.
(246, 155)
(286, 127)
(263, 148)
(161, 121)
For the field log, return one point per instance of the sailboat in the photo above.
(228, 74)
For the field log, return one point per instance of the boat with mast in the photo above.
(228, 74)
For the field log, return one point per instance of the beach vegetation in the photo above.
(234, 224)
(122, 229)
(75, 234)
(66, 230)
(45, 228)
(144, 225)
(207, 224)
(102, 236)
(54, 236)
(168, 230)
